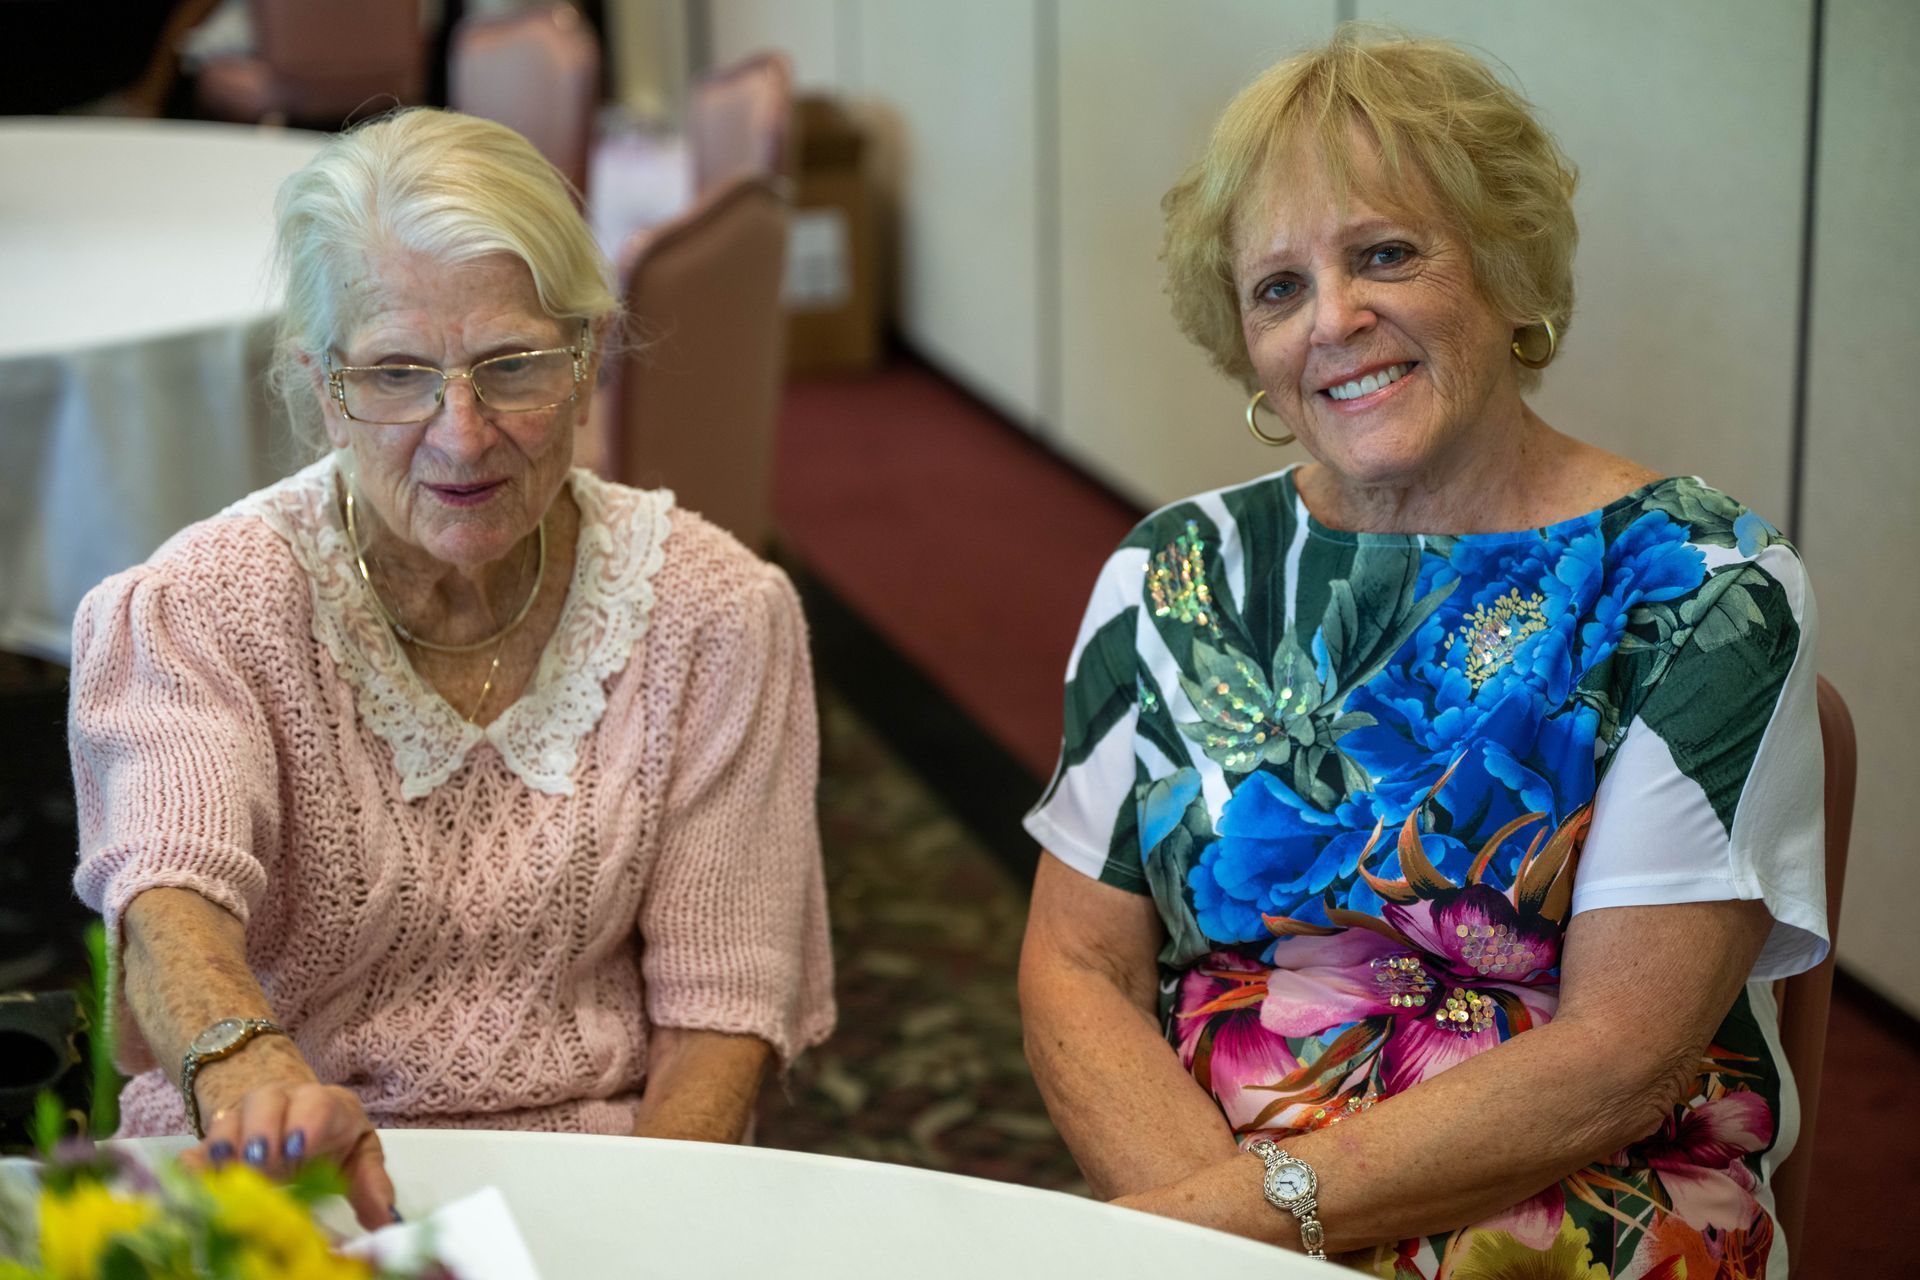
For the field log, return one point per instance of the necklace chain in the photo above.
(498, 639)
(406, 634)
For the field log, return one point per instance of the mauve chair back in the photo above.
(1806, 998)
(740, 121)
(332, 58)
(536, 70)
(697, 398)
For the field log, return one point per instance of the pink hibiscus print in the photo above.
(1698, 1155)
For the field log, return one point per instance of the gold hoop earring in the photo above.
(1254, 426)
(1553, 347)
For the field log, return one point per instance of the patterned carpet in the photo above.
(926, 1067)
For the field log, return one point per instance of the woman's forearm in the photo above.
(1130, 1113)
(1463, 1146)
(1132, 1116)
(1638, 1008)
(701, 1085)
(185, 968)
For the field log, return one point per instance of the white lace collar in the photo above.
(622, 543)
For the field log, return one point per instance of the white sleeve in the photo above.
(1659, 838)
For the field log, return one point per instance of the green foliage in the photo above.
(48, 1124)
(96, 1002)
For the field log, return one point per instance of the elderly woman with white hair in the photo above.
(442, 783)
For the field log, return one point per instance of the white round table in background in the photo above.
(640, 1207)
(136, 312)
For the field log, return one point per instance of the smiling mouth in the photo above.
(1371, 383)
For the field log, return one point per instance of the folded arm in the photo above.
(1642, 991)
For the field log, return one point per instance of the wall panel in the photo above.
(810, 32)
(1862, 503)
(951, 92)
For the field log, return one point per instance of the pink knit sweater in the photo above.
(470, 927)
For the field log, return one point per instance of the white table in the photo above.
(136, 315)
(639, 1207)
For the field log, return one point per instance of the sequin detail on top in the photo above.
(1466, 1012)
(1491, 633)
(1403, 980)
(1177, 580)
(1494, 950)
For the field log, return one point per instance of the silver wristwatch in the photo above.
(221, 1040)
(1289, 1185)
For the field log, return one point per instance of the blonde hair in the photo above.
(451, 186)
(1493, 176)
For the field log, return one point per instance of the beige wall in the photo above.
(1862, 513)
(1140, 406)
(1042, 290)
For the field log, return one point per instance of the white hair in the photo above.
(452, 187)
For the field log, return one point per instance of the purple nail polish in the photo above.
(255, 1152)
(220, 1152)
(396, 1213)
(296, 1145)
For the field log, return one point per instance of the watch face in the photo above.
(221, 1035)
(1289, 1180)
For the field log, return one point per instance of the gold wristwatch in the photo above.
(1289, 1185)
(221, 1040)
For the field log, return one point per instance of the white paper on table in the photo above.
(475, 1236)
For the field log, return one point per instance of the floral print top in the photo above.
(1368, 778)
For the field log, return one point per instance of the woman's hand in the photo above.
(266, 1109)
(186, 968)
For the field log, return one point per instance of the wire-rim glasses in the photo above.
(396, 395)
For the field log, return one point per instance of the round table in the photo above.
(602, 1206)
(135, 327)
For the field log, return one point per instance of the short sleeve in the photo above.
(173, 764)
(1087, 816)
(734, 921)
(1716, 790)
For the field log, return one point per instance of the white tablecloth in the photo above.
(136, 315)
(639, 1207)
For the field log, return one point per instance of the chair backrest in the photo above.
(536, 70)
(697, 400)
(332, 57)
(740, 121)
(1805, 998)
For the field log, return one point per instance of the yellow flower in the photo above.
(271, 1222)
(318, 1264)
(77, 1225)
(1496, 1255)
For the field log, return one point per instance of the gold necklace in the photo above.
(487, 688)
(400, 629)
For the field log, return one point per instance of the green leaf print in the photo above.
(1102, 687)
(1371, 613)
(1720, 681)
(1237, 709)
(1712, 518)
(1722, 617)
(1172, 857)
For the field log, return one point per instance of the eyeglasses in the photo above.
(402, 394)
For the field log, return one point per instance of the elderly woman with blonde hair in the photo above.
(442, 783)
(1433, 815)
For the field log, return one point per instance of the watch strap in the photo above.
(1313, 1237)
(190, 1064)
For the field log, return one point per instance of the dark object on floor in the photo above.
(971, 773)
(39, 917)
(39, 1050)
(926, 1067)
